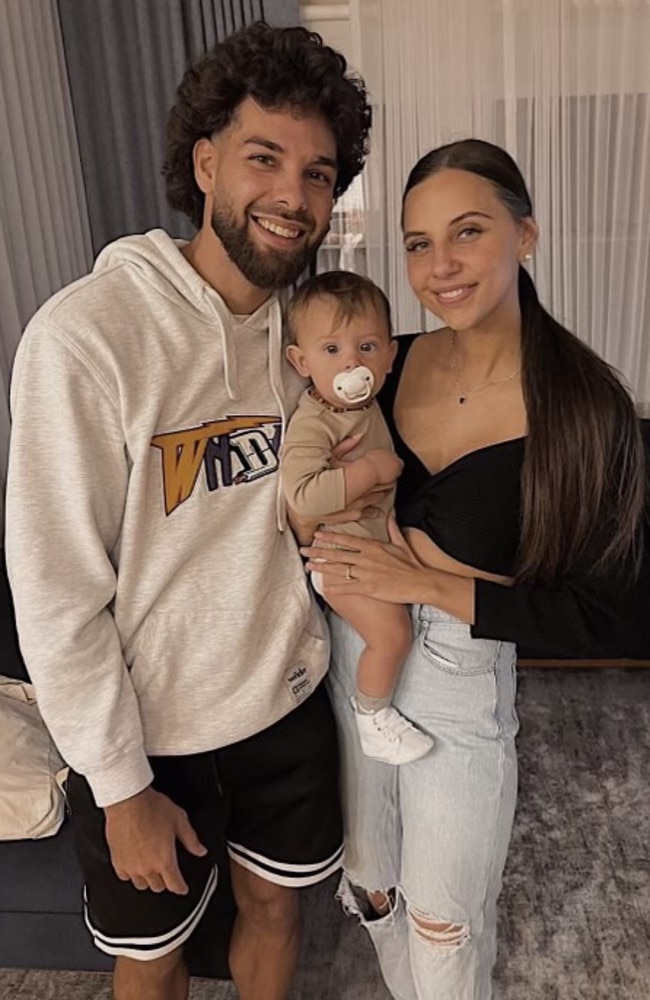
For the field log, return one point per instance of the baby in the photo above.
(340, 326)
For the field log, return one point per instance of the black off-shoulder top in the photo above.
(472, 510)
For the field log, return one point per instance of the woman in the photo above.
(520, 505)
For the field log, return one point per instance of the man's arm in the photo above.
(66, 491)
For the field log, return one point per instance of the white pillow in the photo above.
(32, 803)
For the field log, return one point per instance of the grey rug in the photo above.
(575, 909)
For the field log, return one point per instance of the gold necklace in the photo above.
(465, 394)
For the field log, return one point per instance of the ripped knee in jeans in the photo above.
(367, 904)
(446, 935)
(376, 904)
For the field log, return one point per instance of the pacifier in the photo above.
(354, 386)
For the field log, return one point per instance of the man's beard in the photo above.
(272, 269)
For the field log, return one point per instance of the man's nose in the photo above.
(290, 191)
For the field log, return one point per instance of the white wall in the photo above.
(332, 22)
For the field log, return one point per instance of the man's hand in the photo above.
(142, 832)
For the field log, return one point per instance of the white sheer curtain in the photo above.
(564, 85)
(44, 234)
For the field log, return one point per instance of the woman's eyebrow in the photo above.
(453, 222)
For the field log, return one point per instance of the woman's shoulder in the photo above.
(423, 351)
(427, 346)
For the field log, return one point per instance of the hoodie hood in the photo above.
(158, 258)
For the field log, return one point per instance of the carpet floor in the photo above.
(575, 910)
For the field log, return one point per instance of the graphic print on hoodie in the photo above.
(233, 451)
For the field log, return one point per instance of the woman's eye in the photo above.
(416, 247)
(468, 232)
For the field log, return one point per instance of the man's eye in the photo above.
(262, 158)
(320, 177)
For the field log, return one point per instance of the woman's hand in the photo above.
(387, 571)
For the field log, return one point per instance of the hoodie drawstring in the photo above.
(275, 376)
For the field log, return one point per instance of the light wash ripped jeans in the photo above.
(435, 831)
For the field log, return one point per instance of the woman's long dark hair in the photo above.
(583, 477)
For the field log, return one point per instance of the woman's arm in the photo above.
(581, 615)
(388, 572)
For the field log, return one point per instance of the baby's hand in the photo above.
(341, 451)
(386, 463)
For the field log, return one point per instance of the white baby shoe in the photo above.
(387, 736)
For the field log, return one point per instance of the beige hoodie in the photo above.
(160, 607)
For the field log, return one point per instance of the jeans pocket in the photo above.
(450, 647)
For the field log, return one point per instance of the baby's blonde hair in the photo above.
(352, 293)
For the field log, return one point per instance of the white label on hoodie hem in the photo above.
(299, 682)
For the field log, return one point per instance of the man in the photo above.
(162, 608)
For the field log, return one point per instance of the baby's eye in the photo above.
(331, 349)
(367, 347)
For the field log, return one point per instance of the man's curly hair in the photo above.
(278, 67)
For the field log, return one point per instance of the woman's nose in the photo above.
(443, 262)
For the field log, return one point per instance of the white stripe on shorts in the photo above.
(281, 873)
(145, 949)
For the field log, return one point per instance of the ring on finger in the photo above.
(348, 573)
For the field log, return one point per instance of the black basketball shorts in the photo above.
(275, 799)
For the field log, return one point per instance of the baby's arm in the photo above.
(378, 467)
(314, 488)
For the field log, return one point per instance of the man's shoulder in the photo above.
(93, 292)
(100, 293)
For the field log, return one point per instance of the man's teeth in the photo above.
(273, 227)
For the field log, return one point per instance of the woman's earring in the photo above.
(527, 257)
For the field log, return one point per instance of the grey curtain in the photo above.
(44, 233)
(125, 59)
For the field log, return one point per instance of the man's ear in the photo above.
(205, 164)
(297, 359)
